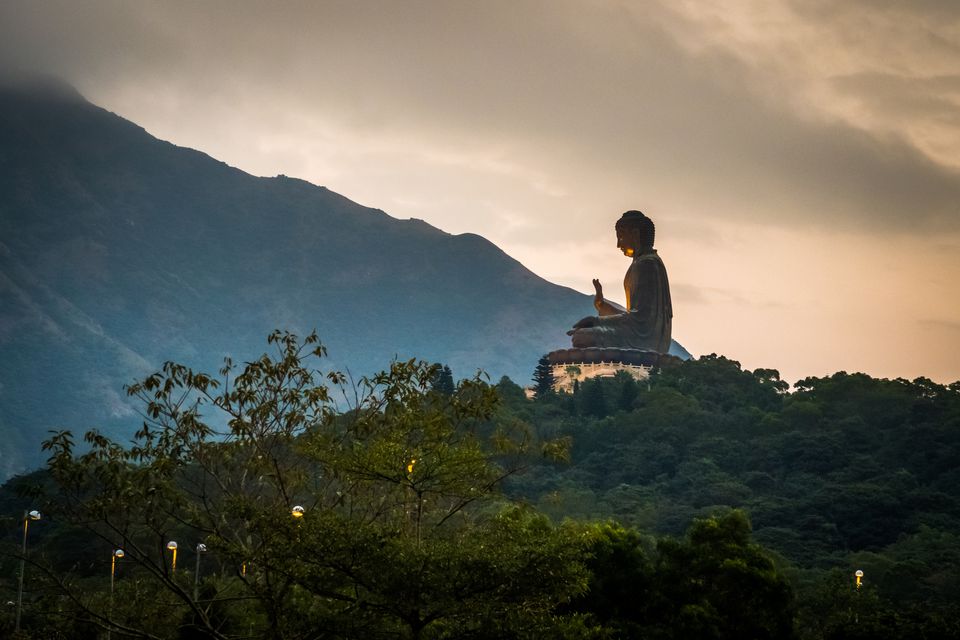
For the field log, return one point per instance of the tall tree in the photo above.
(629, 390)
(443, 380)
(381, 520)
(543, 378)
(717, 583)
(592, 399)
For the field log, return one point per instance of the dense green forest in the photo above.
(840, 473)
(705, 502)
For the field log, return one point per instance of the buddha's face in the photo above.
(627, 241)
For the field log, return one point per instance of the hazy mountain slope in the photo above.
(118, 251)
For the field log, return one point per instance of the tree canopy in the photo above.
(378, 517)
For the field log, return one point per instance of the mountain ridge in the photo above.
(119, 251)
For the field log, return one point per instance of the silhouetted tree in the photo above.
(443, 381)
(629, 389)
(592, 400)
(543, 378)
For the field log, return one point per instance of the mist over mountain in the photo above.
(119, 251)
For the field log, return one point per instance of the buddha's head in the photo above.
(635, 233)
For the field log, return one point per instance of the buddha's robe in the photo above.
(647, 323)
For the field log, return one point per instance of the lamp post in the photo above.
(27, 517)
(297, 513)
(201, 549)
(172, 545)
(859, 576)
(116, 555)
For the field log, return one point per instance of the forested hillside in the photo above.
(707, 502)
(839, 473)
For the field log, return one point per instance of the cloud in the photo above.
(561, 101)
(925, 108)
(849, 61)
(709, 296)
(939, 323)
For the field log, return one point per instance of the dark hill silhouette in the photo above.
(119, 251)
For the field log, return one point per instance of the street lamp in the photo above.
(27, 517)
(297, 512)
(859, 575)
(172, 545)
(116, 555)
(201, 549)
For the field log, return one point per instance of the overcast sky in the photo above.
(801, 159)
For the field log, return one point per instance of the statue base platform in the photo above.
(577, 365)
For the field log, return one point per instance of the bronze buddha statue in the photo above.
(646, 322)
